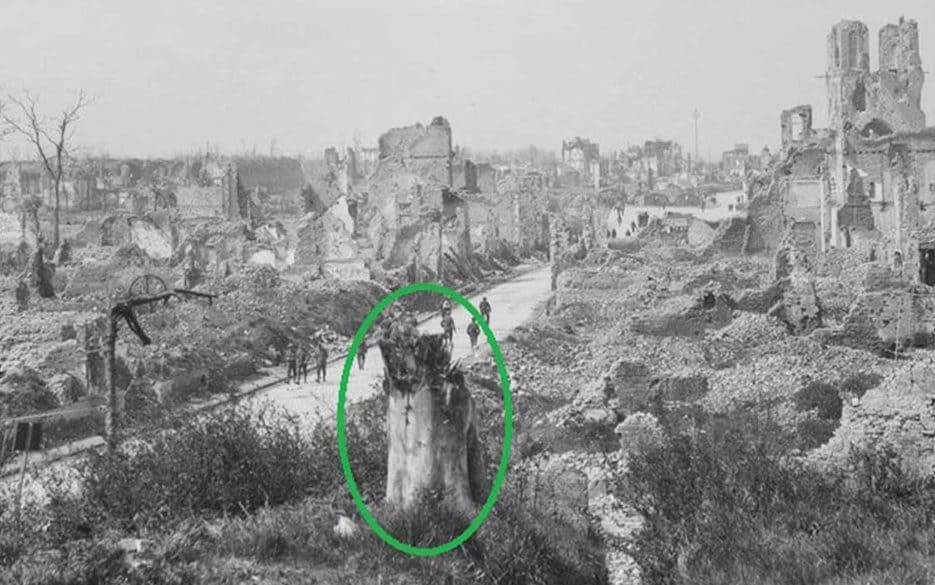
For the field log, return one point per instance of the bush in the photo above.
(94, 562)
(228, 462)
(26, 392)
(823, 398)
(519, 545)
(815, 432)
(859, 383)
(367, 447)
(725, 505)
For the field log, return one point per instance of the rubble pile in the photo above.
(896, 413)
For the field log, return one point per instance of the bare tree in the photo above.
(51, 138)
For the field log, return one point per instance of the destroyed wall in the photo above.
(486, 178)
(526, 225)
(894, 177)
(271, 174)
(155, 233)
(796, 125)
(425, 150)
(898, 413)
(401, 217)
(215, 245)
(326, 241)
(201, 202)
(765, 213)
(405, 216)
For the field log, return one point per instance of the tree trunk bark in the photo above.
(110, 383)
(58, 195)
(434, 449)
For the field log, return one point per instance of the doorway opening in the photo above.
(927, 265)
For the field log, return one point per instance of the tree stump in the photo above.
(41, 274)
(434, 449)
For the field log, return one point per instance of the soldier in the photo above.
(446, 307)
(448, 326)
(362, 353)
(485, 309)
(22, 295)
(610, 392)
(292, 372)
(303, 365)
(473, 332)
(321, 362)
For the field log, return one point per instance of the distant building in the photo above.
(736, 161)
(579, 153)
(660, 158)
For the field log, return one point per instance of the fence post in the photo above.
(22, 475)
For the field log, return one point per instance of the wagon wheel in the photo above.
(145, 286)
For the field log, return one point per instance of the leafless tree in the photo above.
(51, 137)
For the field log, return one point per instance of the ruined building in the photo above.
(410, 214)
(584, 158)
(737, 161)
(578, 153)
(661, 158)
(868, 181)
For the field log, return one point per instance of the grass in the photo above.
(239, 495)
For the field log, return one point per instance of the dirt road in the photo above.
(512, 304)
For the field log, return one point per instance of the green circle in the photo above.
(507, 422)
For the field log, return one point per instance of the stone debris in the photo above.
(346, 528)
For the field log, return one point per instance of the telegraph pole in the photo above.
(696, 115)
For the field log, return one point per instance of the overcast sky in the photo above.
(171, 75)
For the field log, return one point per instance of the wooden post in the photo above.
(3, 441)
(22, 475)
(441, 255)
(110, 383)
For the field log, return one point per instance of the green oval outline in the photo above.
(475, 524)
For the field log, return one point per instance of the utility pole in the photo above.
(123, 311)
(696, 115)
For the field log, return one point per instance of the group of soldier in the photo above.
(473, 329)
(298, 357)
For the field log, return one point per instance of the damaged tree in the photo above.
(51, 144)
(434, 449)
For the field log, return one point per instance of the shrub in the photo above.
(93, 562)
(725, 505)
(814, 432)
(228, 462)
(820, 397)
(859, 383)
(28, 393)
(367, 448)
(519, 545)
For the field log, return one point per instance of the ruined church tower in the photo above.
(875, 103)
(848, 61)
